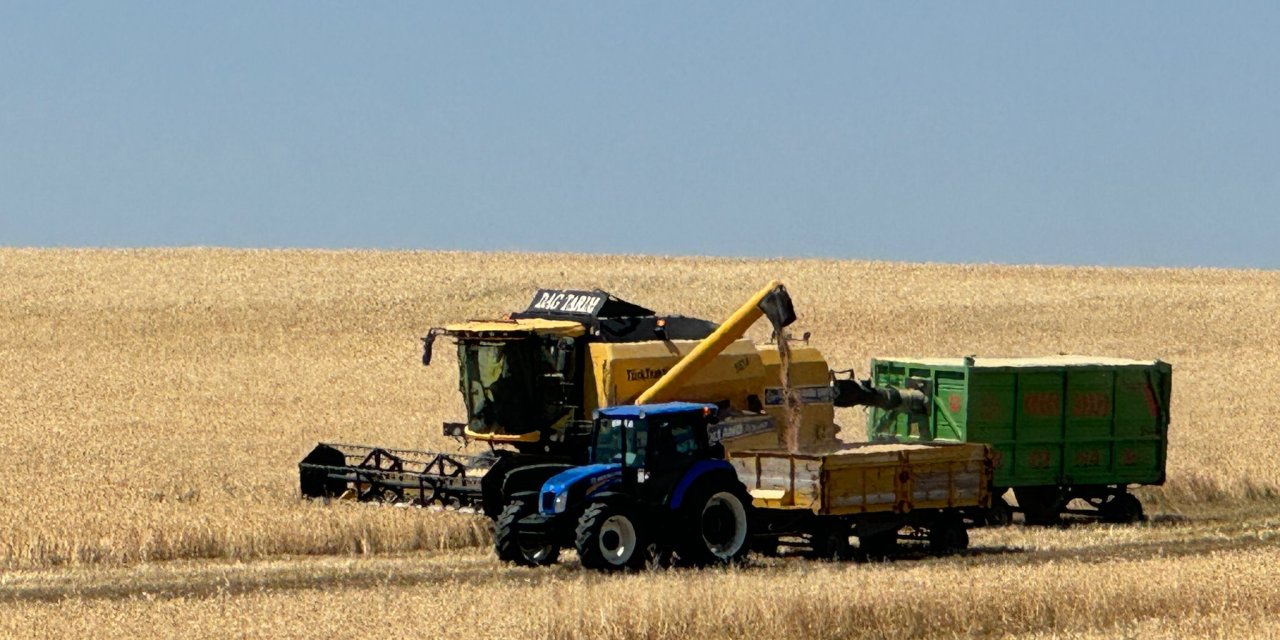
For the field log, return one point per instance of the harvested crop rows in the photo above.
(156, 402)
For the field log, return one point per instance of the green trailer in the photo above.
(1062, 428)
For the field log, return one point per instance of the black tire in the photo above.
(517, 547)
(830, 544)
(610, 538)
(878, 545)
(1122, 508)
(1040, 505)
(948, 535)
(1000, 514)
(715, 524)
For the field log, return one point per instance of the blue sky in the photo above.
(1138, 133)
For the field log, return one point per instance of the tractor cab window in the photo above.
(620, 440)
(675, 441)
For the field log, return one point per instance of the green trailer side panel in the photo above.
(1088, 439)
(1103, 423)
(991, 419)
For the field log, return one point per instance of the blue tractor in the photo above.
(656, 490)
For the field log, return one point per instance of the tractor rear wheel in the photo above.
(517, 547)
(610, 538)
(716, 525)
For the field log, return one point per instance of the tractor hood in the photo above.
(581, 482)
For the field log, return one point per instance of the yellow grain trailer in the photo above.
(879, 493)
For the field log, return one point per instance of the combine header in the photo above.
(376, 474)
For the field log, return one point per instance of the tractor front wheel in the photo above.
(609, 538)
(517, 547)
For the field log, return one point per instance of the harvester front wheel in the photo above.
(517, 547)
(609, 538)
(717, 525)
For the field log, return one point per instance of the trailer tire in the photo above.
(1040, 505)
(609, 537)
(878, 545)
(948, 535)
(715, 525)
(1000, 514)
(515, 548)
(830, 544)
(1123, 508)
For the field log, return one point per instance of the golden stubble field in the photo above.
(155, 403)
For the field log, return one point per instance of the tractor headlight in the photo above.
(562, 502)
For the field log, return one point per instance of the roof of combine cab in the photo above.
(642, 410)
(481, 328)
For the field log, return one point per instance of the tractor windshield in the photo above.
(620, 440)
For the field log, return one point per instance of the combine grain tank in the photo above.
(1061, 427)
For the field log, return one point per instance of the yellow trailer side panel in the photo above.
(869, 478)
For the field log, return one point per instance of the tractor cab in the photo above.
(641, 450)
(642, 437)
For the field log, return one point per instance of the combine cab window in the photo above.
(497, 381)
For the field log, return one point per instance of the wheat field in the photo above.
(156, 402)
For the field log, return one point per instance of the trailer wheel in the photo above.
(1040, 505)
(517, 548)
(1000, 514)
(830, 543)
(947, 535)
(610, 538)
(878, 545)
(716, 525)
(1123, 508)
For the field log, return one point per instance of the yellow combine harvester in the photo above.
(532, 381)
